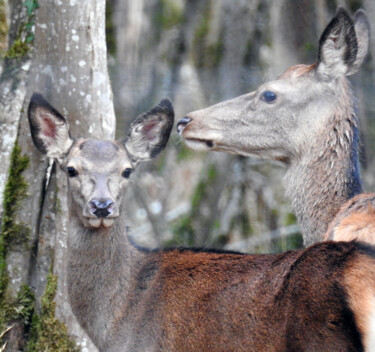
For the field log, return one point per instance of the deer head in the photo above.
(306, 119)
(98, 170)
(280, 118)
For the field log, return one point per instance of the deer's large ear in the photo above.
(149, 132)
(49, 129)
(362, 32)
(343, 45)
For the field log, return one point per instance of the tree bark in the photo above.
(69, 67)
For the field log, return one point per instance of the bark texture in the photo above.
(69, 67)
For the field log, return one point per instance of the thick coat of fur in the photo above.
(354, 221)
(130, 299)
(183, 300)
(310, 126)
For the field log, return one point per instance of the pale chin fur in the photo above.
(197, 145)
(100, 222)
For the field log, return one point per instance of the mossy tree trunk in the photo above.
(69, 67)
(12, 92)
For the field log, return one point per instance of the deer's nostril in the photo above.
(101, 208)
(182, 124)
(101, 203)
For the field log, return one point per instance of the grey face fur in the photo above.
(305, 118)
(248, 125)
(98, 170)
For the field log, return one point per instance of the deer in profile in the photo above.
(306, 119)
(132, 299)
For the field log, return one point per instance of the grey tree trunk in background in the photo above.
(69, 67)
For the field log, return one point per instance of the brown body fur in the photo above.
(296, 301)
(354, 221)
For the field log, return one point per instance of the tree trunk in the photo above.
(69, 67)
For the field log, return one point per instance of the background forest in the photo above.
(196, 52)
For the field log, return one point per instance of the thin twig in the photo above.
(5, 331)
(2, 349)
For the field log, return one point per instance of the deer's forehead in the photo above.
(292, 81)
(298, 71)
(98, 151)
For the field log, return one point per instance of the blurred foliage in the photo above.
(185, 233)
(170, 14)
(205, 53)
(3, 28)
(110, 30)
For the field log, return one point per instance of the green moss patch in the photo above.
(25, 36)
(13, 232)
(47, 332)
(18, 310)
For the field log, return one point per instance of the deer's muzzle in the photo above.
(101, 208)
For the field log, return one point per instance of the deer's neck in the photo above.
(101, 270)
(326, 175)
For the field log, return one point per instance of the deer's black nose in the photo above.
(101, 208)
(182, 124)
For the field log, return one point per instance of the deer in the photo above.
(354, 221)
(306, 119)
(130, 298)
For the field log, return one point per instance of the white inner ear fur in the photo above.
(143, 138)
(54, 134)
(332, 64)
(363, 38)
(151, 131)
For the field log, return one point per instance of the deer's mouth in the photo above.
(199, 144)
(192, 132)
(101, 222)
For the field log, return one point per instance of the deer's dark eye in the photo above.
(127, 172)
(268, 96)
(72, 172)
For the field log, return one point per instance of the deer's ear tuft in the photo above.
(362, 31)
(343, 45)
(49, 129)
(149, 132)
